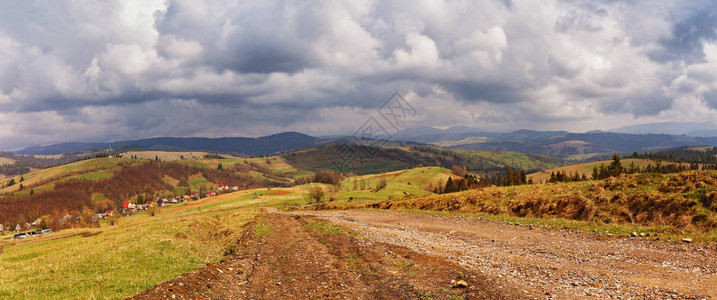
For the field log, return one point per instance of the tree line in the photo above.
(75, 195)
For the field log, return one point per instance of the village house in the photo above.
(65, 219)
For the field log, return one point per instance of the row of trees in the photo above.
(469, 181)
(615, 168)
(703, 155)
(507, 177)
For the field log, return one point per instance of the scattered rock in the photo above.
(633, 234)
(460, 284)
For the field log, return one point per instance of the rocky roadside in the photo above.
(551, 263)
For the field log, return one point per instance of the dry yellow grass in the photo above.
(587, 168)
(167, 155)
(680, 202)
(6, 161)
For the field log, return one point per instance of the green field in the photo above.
(122, 260)
(91, 169)
(116, 261)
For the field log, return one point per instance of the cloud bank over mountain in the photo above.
(109, 70)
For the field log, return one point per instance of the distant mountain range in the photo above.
(276, 143)
(562, 143)
(703, 129)
(266, 145)
(553, 143)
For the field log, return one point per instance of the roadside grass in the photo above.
(666, 233)
(121, 260)
(263, 230)
(323, 227)
(673, 206)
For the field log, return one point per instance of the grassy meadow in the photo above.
(116, 261)
(139, 251)
(674, 205)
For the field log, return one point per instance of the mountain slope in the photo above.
(397, 158)
(280, 142)
(676, 128)
(563, 144)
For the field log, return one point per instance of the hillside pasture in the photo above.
(672, 204)
(399, 184)
(122, 260)
(6, 161)
(98, 167)
(587, 168)
(167, 155)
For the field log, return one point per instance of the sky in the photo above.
(117, 70)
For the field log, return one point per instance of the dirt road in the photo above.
(395, 255)
(297, 257)
(548, 262)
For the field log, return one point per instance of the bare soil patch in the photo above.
(553, 263)
(287, 257)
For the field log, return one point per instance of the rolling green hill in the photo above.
(392, 159)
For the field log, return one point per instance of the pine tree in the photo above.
(596, 173)
(449, 186)
(615, 167)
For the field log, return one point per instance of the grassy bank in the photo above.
(129, 257)
(683, 203)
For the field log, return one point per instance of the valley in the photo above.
(296, 227)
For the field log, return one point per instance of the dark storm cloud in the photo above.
(132, 69)
(688, 34)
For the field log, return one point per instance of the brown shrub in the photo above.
(710, 201)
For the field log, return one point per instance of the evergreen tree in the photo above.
(449, 186)
(615, 167)
(596, 173)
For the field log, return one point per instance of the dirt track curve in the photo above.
(395, 255)
(549, 262)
